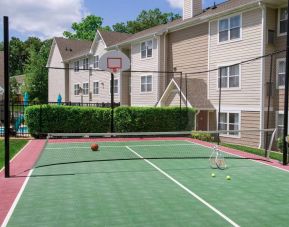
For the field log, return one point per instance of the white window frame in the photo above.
(74, 90)
(278, 25)
(76, 66)
(228, 124)
(229, 29)
(146, 57)
(96, 62)
(277, 72)
(83, 89)
(85, 63)
(277, 125)
(118, 86)
(96, 81)
(228, 80)
(146, 90)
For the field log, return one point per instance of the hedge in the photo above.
(152, 119)
(66, 119)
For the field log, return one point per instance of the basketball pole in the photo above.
(285, 127)
(112, 103)
(6, 96)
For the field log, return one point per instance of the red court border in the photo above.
(20, 166)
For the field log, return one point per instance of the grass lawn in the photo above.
(15, 146)
(260, 152)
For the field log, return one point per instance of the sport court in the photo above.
(148, 182)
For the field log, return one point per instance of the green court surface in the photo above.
(154, 192)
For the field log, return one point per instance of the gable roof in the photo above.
(111, 38)
(209, 12)
(196, 92)
(70, 48)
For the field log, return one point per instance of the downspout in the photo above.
(262, 90)
(196, 116)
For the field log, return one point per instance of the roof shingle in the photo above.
(70, 48)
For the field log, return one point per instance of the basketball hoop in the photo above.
(114, 62)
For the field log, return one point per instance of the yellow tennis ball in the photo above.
(228, 178)
(213, 175)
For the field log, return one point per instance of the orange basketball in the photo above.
(94, 147)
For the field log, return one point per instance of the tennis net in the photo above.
(61, 149)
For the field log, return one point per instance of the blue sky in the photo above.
(48, 18)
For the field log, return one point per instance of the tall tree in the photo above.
(145, 20)
(86, 28)
(36, 79)
(18, 56)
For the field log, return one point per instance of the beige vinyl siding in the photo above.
(104, 86)
(233, 52)
(125, 96)
(139, 98)
(56, 78)
(173, 99)
(280, 44)
(83, 77)
(249, 121)
(188, 50)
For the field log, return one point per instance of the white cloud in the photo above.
(176, 3)
(47, 18)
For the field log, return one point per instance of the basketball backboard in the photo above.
(114, 61)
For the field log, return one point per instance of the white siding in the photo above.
(248, 96)
(137, 64)
(56, 77)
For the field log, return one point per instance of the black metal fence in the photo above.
(18, 128)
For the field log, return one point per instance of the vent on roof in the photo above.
(214, 6)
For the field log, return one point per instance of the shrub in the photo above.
(153, 119)
(66, 119)
(280, 143)
(203, 136)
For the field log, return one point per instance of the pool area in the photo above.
(23, 129)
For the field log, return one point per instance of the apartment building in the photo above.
(203, 45)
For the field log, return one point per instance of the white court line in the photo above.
(12, 208)
(186, 189)
(19, 152)
(260, 162)
(149, 145)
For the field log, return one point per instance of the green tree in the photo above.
(86, 28)
(36, 80)
(18, 56)
(1, 46)
(14, 88)
(146, 19)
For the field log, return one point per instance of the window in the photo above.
(115, 87)
(230, 28)
(85, 63)
(230, 77)
(283, 18)
(230, 122)
(96, 62)
(281, 69)
(76, 89)
(95, 88)
(85, 88)
(76, 66)
(147, 49)
(146, 83)
(280, 124)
